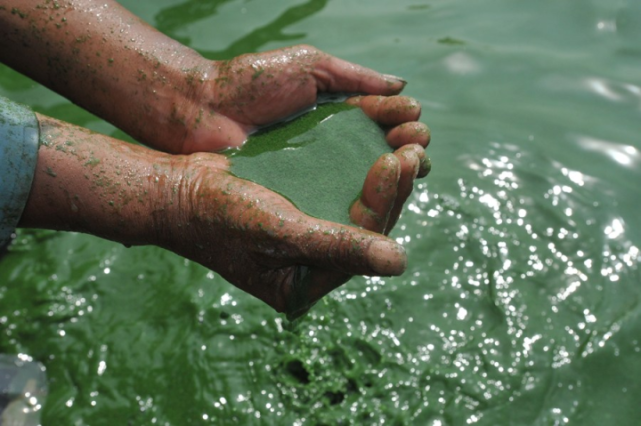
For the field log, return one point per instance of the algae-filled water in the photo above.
(521, 303)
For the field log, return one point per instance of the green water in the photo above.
(521, 303)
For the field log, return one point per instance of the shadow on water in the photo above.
(253, 41)
(171, 19)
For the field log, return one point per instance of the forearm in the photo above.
(91, 183)
(108, 61)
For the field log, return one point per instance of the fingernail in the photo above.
(396, 79)
(387, 258)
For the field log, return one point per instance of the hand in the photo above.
(254, 90)
(261, 243)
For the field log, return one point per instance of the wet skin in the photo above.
(192, 205)
(169, 97)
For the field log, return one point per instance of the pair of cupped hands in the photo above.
(253, 237)
(265, 245)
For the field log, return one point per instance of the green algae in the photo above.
(319, 161)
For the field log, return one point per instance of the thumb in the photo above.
(352, 251)
(213, 133)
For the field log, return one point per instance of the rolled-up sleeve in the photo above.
(19, 137)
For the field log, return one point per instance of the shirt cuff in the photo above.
(19, 135)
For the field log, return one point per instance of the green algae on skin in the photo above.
(319, 161)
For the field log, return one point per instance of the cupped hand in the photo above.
(250, 91)
(260, 242)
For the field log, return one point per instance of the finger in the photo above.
(336, 75)
(410, 133)
(372, 209)
(409, 158)
(215, 133)
(424, 162)
(388, 110)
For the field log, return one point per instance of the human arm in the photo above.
(98, 54)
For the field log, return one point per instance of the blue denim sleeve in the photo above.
(19, 136)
